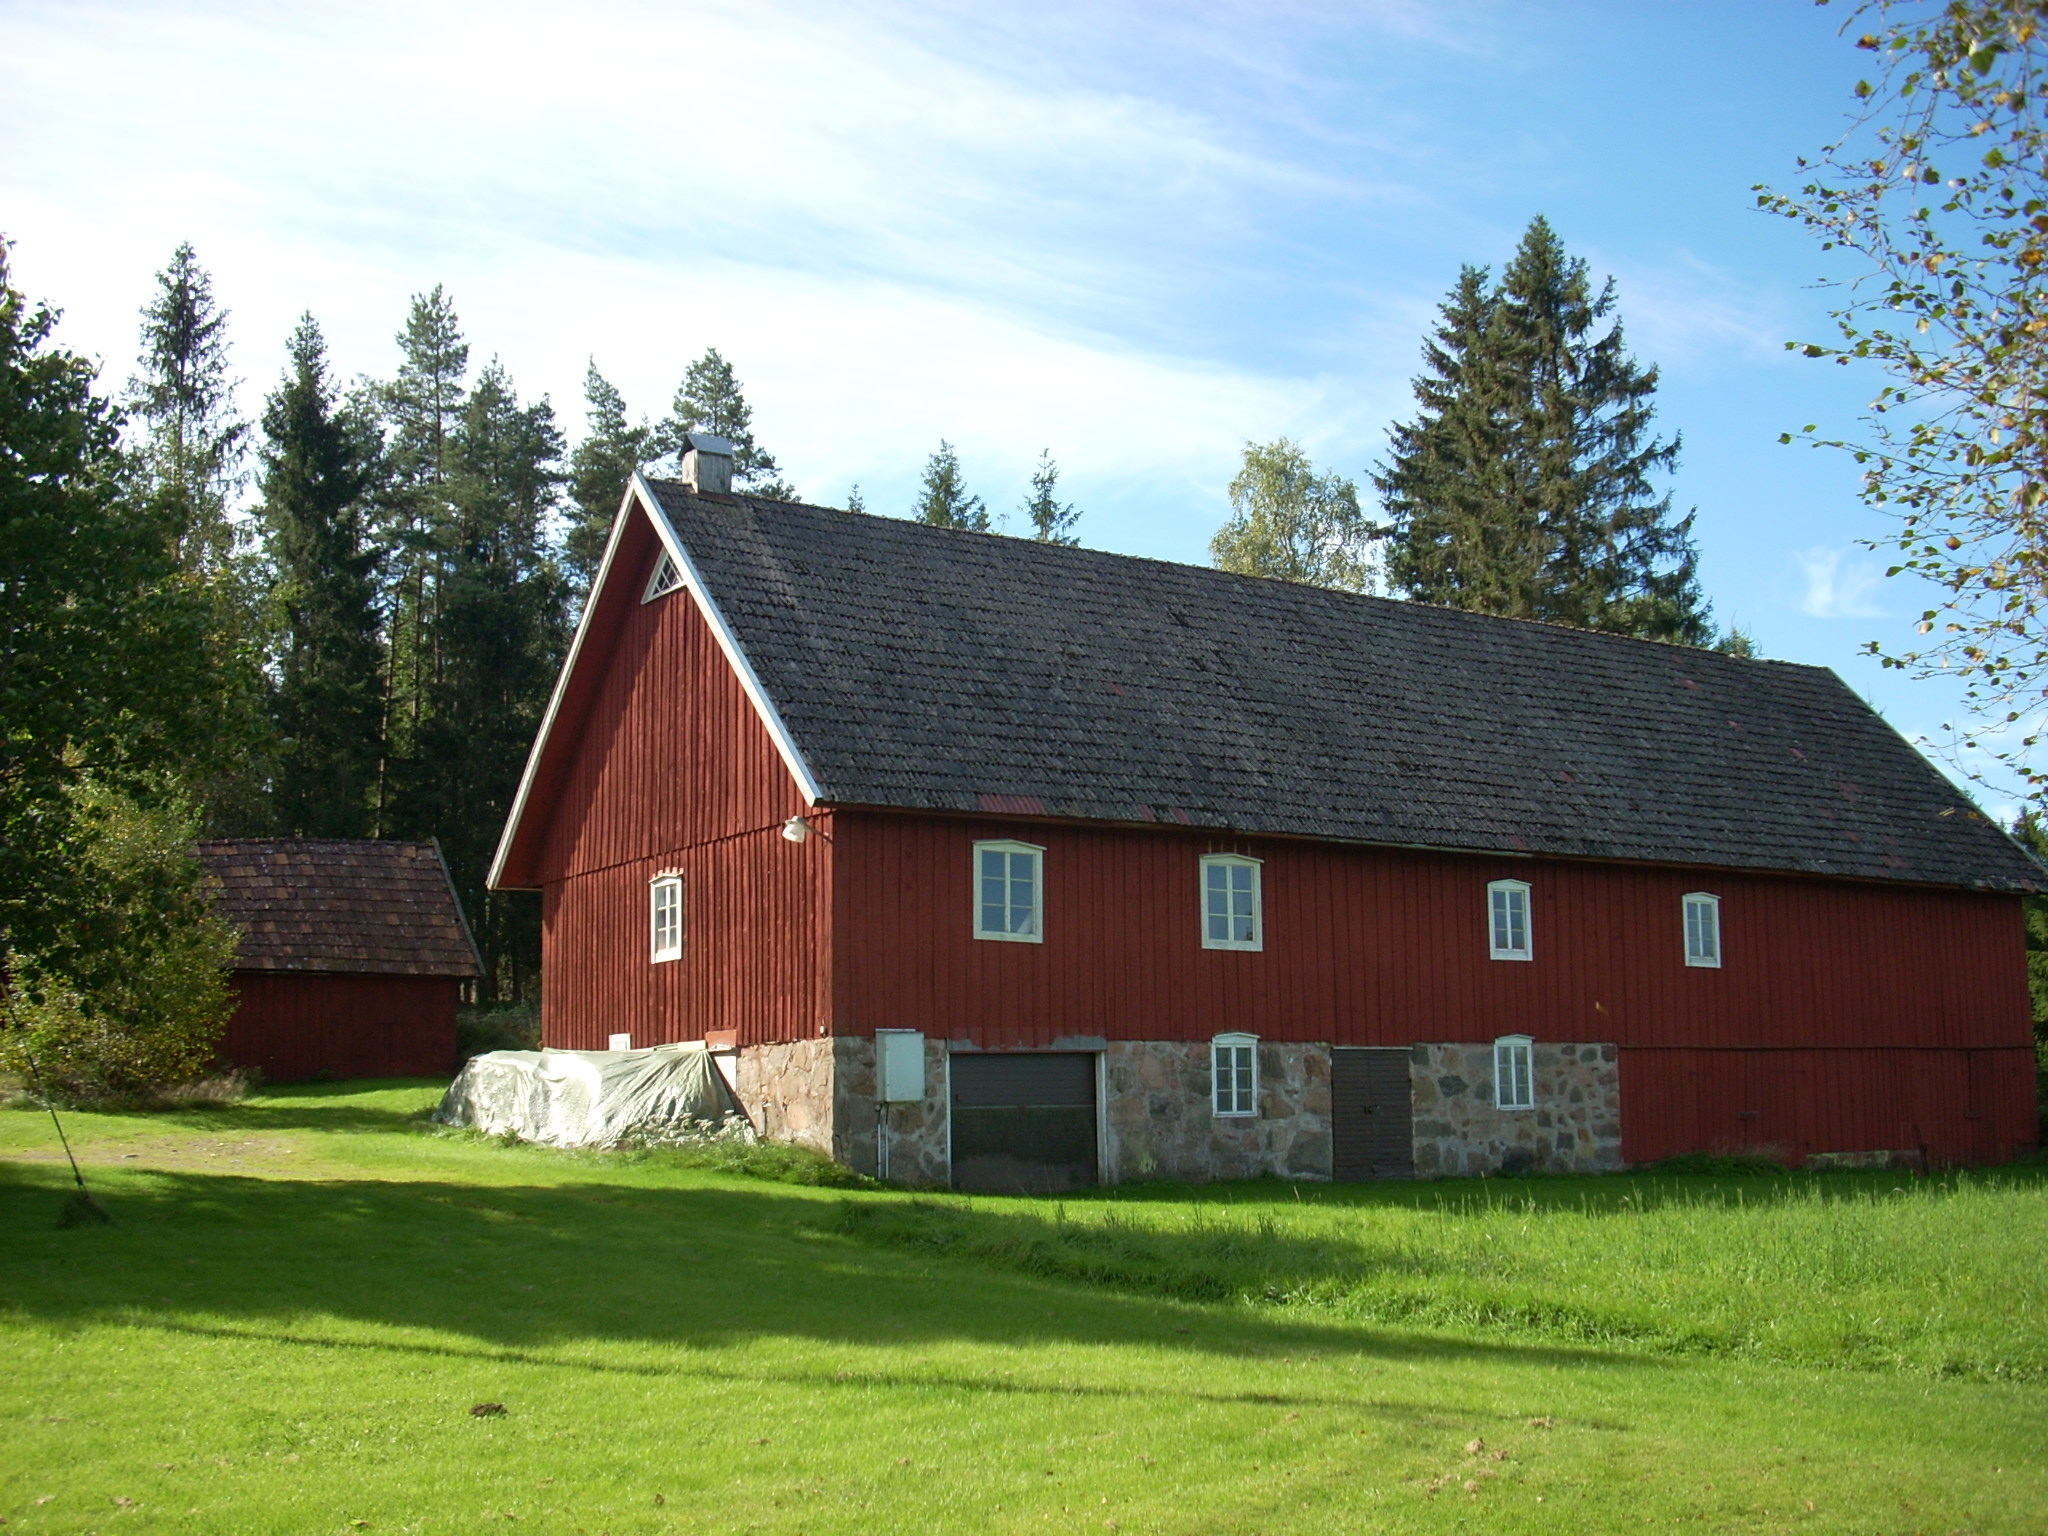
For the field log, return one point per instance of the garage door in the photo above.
(1024, 1122)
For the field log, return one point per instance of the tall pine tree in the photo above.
(1051, 519)
(944, 502)
(497, 638)
(710, 400)
(328, 703)
(187, 461)
(184, 398)
(612, 448)
(421, 409)
(1524, 486)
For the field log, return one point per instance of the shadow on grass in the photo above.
(525, 1268)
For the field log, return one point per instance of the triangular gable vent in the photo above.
(665, 580)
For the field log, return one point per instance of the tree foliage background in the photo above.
(1938, 195)
(1290, 521)
(1525, 486)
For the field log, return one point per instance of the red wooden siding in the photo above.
(1953, 1106)
(1371, 946)
(671, 768)
(755, 950)
(294, 1025)
(670, 753)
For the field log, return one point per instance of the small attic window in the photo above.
(666, 578)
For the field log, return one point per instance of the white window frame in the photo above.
(665, 942)
(1507, 1050)
(658, 587)
(1233, 1043)
(1708, 926)
(1234, 861)
(1493, 934)
(1037, 856)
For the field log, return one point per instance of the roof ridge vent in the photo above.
(707, 462)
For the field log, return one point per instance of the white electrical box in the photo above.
(621, 1043)
(899, 1066)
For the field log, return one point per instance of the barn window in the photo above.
(665, 906)
(1702, 929)
(666, 578)
(1514, 1072)
(1231, 914)
(1234, 1063)
(1009, 898)
(1507, 903)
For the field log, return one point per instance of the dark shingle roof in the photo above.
(304, 904)
(936, 669)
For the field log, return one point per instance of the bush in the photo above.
(150, 1009)
(496, 1027)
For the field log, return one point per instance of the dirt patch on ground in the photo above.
(266, 1155)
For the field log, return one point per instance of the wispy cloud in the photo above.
(902, 222)
(1839, 584)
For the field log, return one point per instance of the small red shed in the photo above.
(352, 957)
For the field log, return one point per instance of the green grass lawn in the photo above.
(302, 1297)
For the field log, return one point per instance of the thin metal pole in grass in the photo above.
(80, 1209)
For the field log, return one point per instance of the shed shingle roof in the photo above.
(937, 669)
(307, 904)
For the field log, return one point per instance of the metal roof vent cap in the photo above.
(707, 462)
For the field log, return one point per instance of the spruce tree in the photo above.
(1290, 522)
(329, 699)
(183, 397)
(497, 638)
(944, 502)
(1466, 534)
(1052, 519)
(1524, 485)
(187, 461)
(710, 400)
(420, 410)
(611, 450)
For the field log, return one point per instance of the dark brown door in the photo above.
(1023, 1122)
(1371, 1114)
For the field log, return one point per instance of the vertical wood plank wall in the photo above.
(295, 1026)
(1842, 1015)
(672, 769)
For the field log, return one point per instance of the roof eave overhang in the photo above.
(1225, 832)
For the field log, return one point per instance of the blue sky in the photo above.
(1136, 234)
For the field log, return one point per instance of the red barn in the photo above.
(1006, 864)
(351, 961)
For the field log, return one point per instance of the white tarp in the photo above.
(586, 1098)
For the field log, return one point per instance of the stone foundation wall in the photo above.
(821, 1094)
(1161, 1125)
(917, 1132)
(786, 1090)
(1574, 1128)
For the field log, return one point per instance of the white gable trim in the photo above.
(693, 582)
(639, 489)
